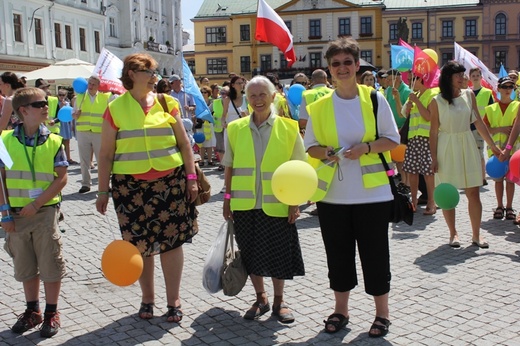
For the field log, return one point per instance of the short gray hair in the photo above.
(261, 80)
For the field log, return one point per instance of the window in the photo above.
(314, 28)
(288, 24)
(57, 35)
(97, 43)
(84, 1)
(245, 64)
(17, 27)
(366, 55)
(284, 64)
(82, 40)
(315, 60)
(245, 32)
(417, 31)
(500, 24)
(366, 26)
(112, 27)
(68, 37)
(217, 66)
(265, 62)
(191, 65)
(38, 31)
(471, 28)
(216, 34)
(447, 28)
(500, 58)
(394, 33)
(446, 57)
(344, 26)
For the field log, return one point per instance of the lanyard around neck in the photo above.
(31, 164)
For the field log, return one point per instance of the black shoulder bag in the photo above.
(402, 209)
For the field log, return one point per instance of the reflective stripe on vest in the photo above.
(217, 115)
(483, 100)
(497, 119)
(19, 179)
(53, 108)
(279, 150)
(144, 141)
(418, 125)
(91, 118)
(324, 127)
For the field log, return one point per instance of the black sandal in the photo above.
(258, 309)
(338, 325)
(174, 312)
(146, 308)
(499, 213)
(382, 328)
(510, 214)
(287, 317)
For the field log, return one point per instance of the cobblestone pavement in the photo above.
(439, 295)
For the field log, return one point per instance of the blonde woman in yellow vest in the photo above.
(354, 198)
(153, 180)
(499, 119)
(265, 228)
(33, 187)
(206, 148)
(88, 113)
(418, 159)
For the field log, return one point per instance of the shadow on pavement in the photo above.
(438, 260)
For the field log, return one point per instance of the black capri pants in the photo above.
(342, 226)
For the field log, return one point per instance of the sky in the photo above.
(189, 9)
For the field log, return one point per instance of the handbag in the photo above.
(402, 209)
(234, 273)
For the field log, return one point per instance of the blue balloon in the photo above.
(495, 168)
(199, 137)
(295, 94)
(80, 85)
(65, 114)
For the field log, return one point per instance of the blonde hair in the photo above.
(24, 96)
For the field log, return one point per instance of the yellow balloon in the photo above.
(121, 263)
(294, 182)
(432, 54)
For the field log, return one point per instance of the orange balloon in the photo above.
(121, 263)
(397, 153)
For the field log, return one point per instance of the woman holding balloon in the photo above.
(353, 198)
(455, 156)
(153, 195)
(265, 228)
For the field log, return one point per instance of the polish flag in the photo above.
(271, 28)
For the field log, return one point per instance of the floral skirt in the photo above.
(154, 215)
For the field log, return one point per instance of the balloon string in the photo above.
(110, 226)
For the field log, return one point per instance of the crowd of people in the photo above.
(143, 144)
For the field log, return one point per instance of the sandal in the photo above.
(220, 168)
(174, 314)
(382, 328)
(430, 211)
(338, 325)
(510, 214)
(146, 311)
(499, 213)
(257, 310)
(286, 317)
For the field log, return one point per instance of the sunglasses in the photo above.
(339, 63)
(62, 94)
(38, 104)
(301, 83)
(507, 87)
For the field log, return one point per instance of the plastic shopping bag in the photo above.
(211, 273)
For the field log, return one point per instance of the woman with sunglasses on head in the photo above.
(354, 198)
(9, 83)
(147, 159)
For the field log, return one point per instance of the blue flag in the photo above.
(190, 86)
(502, 72)
(401, 58)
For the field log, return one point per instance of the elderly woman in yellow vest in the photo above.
(499, 119)
(154, 183)
(418, 158)
(265, 228)
(354, 198)
(206, 148)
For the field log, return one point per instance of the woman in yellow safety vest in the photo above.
(154, 184)
(206, 148)
(353, 198)
(265, 228)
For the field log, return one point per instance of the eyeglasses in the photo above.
(339, 63)
(149, 72)
(62, 94)
(507, 87)
(38, 104)
(301, 83)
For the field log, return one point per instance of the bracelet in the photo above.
(192, 176)
(369, 149)
(227, 196)
(7, 218)
(5, 207)
(34, 206)
(509, 147)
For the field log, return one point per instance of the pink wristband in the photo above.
(509, 147)
(227, 196)
(191, 176)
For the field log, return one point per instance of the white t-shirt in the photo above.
(351, 128)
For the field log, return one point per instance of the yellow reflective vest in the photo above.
(316, 93)
(418, 125)
(19, 178)
(497, 119)
(91, 117)
(53, 110)
(326, 132)
(144, 141)
(483, 100)
(218, 109)
(279, 150)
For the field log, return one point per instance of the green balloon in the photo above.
(446, 196)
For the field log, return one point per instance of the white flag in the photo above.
(109, 68)
(469, 61)
(4, 155)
